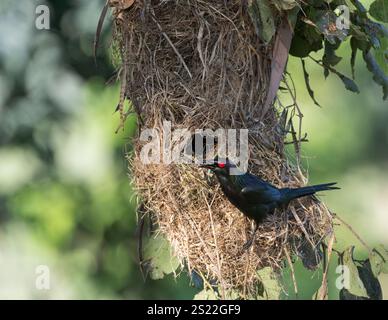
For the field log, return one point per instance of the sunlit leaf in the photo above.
(360, 7)
(232, 295)
(206, 295)
(271, 288)
(329, 57)
(379, 260)
(159, 258)
(358, 33)
(349, 83)
(369, 281)
(263, 19)
(323, 293)
(285, 4)
(356, 286)
(292, 16)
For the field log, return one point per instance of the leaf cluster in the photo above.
(362, 282)
(327, 24)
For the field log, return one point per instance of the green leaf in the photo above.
(356, 286)
(232, 295)
(370, 282)
(350, 4)
(375, 33)
(378, 74)
(379, 260)
(271, 288)
(206, 294)
(321, 292)
(379, 10)
(381, 55)
(349, 83)
(159, 258)
(311, 93)
(357, 32)
(284, 4)
(357, 43)
(360, 8)
(329, 57)
(354, 47)
(293, 17)
(262, 18)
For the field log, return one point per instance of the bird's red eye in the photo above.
(221, 165)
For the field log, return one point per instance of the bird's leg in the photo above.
(249, 243)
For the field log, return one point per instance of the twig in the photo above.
(354, 232)
(322, 293)
(141, 224)
(292, 272)
(300, 116)
(215, 242)
(172, 45)
(301, 226)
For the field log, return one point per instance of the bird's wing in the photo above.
(259, 191)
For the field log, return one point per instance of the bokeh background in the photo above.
(65, 197)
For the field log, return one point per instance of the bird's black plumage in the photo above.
(255, 197)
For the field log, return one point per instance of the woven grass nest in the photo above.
(199, 64)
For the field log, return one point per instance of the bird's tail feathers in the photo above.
(310, 190)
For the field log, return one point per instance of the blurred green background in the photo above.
(65, 198)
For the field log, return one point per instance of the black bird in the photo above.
(255, 197)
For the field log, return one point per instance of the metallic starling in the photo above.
(255, 197)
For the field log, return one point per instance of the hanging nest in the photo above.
(200, 64)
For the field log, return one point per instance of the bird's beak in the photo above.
(206, 166)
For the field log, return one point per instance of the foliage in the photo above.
(319, 29)
(364, 284)
(325, 24)
(263, 20)
(269, 288)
